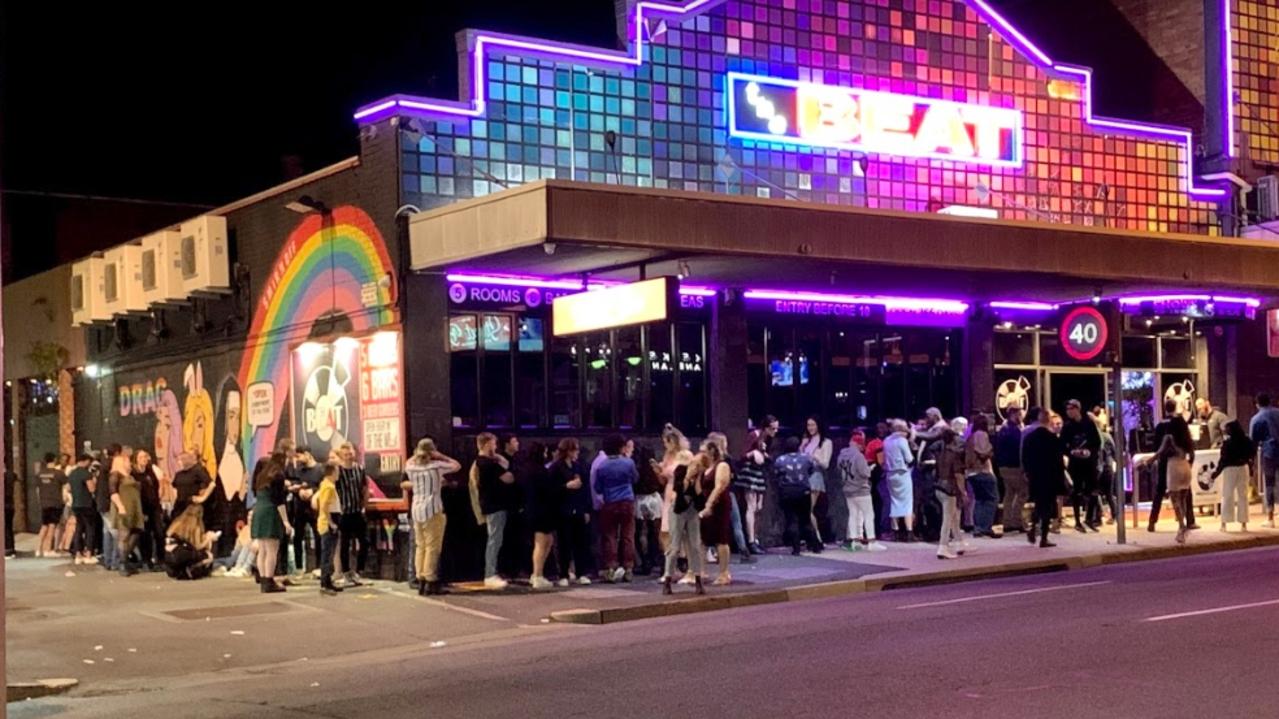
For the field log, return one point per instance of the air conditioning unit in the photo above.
(159, 268)
(204, 263)
(1267, 198)
(88, 292)
(122, 280)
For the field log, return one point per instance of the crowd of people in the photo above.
(681, 510)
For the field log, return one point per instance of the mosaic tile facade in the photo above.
(663, 124)
(1256, 78)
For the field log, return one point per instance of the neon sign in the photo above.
(804, 113)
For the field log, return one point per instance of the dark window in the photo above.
(888, 350)
(1139, 352)
(756, 372)
(496, 360)
(661, 373)
(1178, 352)
(598, 357)
(464, 370)
(840, 401)
(530, 374)
(691, 402)
(810, 374)
(1013, 348)
(564, 382)
(629, 360)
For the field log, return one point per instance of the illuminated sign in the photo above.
(803, 113)
(1084, 333)
(618, 306)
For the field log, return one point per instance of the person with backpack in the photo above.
(950, 492)
(979, 477)
(791, 472)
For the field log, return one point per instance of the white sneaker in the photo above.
(876, 547)
(946, 553)
(76, 560)
(495, 582)
(562, 583)
(583, 581)
(88, 560)
(963, 547)
(220, 571)
(1268, 524)
(540, 583)
(687, 579)
(618, 574)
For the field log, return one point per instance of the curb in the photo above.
(840, 588)
(22, 691)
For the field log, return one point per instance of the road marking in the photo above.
(980, 597)
(1217, 610)
(446, 605)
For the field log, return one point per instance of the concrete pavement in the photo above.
(1171, 638)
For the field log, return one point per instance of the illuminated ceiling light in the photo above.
(92, 371)
(987, 213)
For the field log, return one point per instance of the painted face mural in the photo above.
(168, 442)
(230, 462)
(197, 424)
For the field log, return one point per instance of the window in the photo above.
(464, 370)
(661, 375)
(495, 394)
(691, 402)
(1014, 348)
(756, 372)
(530, 374)
(1178, 352)
(599, 386)
(629, 362)
(1139, 351)
(565, 403)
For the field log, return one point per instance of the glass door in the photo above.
(1087, 386)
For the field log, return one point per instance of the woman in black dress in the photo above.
(546, 497)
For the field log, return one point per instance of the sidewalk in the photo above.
(779, 577)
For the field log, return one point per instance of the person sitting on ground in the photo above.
(243, 557)
(188, 547)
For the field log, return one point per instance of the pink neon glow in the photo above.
(553, 284)
(634, 57)
(1023, 305)
(1249, 301)
(907, 304)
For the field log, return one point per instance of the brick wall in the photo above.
(1174, 30)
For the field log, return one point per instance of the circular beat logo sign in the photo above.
(1084, 333)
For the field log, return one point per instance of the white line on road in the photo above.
(1217, 610)
(980, 597)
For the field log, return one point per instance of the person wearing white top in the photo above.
(819, 449)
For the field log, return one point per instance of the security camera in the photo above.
(548, 248)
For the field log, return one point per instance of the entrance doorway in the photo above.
(1087, 387)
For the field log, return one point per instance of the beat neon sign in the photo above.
(803, 113)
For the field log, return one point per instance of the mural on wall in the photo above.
(197, 421)
(338, 263)
(227, 434)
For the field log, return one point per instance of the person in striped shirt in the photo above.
(424, 479)
(353, 493)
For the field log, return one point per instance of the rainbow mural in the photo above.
(307, 280)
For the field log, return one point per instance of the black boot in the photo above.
(666, 585)
(698, 584)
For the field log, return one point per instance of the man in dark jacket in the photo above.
(1173, 424)
(791, 472)
(1041, 459)
(1083, 445)
(1008, 465)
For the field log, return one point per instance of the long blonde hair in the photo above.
(189, 526)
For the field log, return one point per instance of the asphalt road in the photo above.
(1177, 638)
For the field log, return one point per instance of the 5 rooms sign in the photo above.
(803, 113)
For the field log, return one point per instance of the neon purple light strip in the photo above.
(475, 106)
(1228, 299)
(1228, 60)
(907, 304)
(1023, 306)
(556, 284)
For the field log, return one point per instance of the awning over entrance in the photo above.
(561, 228)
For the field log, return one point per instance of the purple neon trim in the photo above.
(1229, 299)
(1228, 72)
(901, 304)
(557, 284)
(478, 72)
(1023, 305)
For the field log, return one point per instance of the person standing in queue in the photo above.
(879, 496)
(517, 540)
(353, 493)
(328, 515)
(547, 493)
(751, 481)
(573, 540)
(303, 483)
(126, 500)
(854, 475)
(613, 482)
(1107, 466)
(686, 529)
(648, 512)
(83, 484)
(1083, 446)
(151, 542)
(716, 515)
(1178, 471)
(675, 452)
(1213, 422)
(791, 472)
(950, 491)
(491, 480)
(270, 521)
(1264, 431)
(50, 482)
(898, 459)
(1237, 452)
(819, 448)
(424, 478)
(1008, 463)
(979, 477)
(1041, 458)
(1173, 425)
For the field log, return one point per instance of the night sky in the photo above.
(201, 106)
